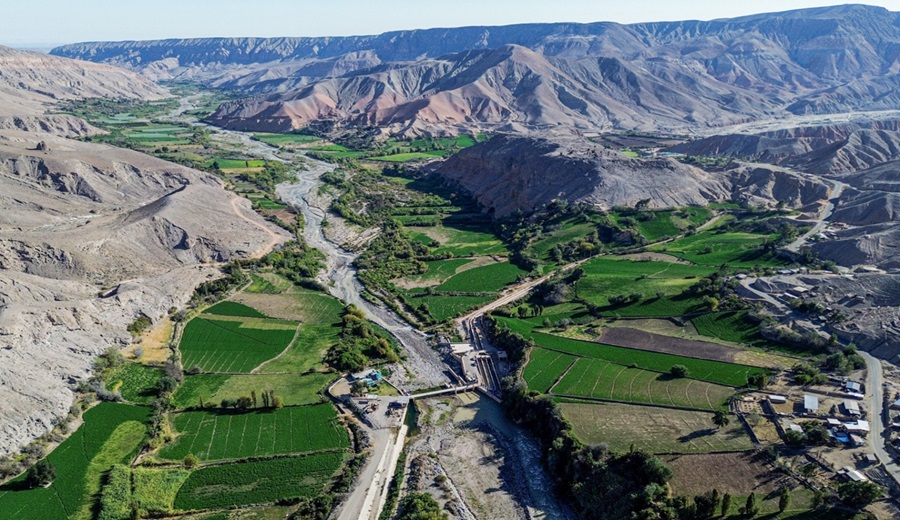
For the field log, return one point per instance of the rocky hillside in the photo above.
(825, 149)
(654, 76)
(78, 220)
(511, 173)
(31, 83)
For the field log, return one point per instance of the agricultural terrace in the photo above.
(224, 435)
(660, 284)
(657, 225)
(600, 379)
(545, 367)
(233, 344)
(111, 434)
(287, 140)
(461, 241)
(294, 389)
(228, 308)
(489, 278)
(258, 482)
(151, 491)
(652, 429)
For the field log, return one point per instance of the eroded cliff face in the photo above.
(91, 237)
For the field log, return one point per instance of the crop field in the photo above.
(713, 248)
(443, 308)
(234, 309)
(544, 368)
(220, 345)
(628, 337)
(286, 139)
(155, 489)
(304, 305)
(608, 277)
(730, 374)
(267, 203)
(652, 429)
(411, 156)
(600, 379)
(111, 434)
(267, 285)
(257, 482)
(488, 278)
(235, 164)
(660, 226)
(221, 435)
(294, 389)
(729, 326)
(306, 353)
(438, 271)
(136, 382)
(567, 231)
(461, 241)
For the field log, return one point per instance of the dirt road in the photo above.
(877, 416)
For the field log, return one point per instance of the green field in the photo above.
(266, 285)
(730, 374)
(729, 326)
(411, 156)
(568, 231)
(652, 429)
(544, 368)
(459, 241)
(607, 277)
(225, 435)
(234, 309)
(600, 379)
(111, 434)
(155, 489)
(306, 353)
(285, 139)
(439, 270)
(234, 164)
(135, 381)
(257, 482)
(294, 389)
(713, 248)
(443, 308)
(217, 345)
(488, 278)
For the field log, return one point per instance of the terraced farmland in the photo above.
(221, 435)
(228, 308)
(488, 278)
(600, 379)
(257, 482)
(233, 344)
(544, 368)
(712, 248)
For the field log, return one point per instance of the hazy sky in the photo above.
(44, 22)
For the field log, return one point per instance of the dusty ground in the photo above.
(747, 473)
(154, 342)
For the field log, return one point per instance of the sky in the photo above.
(51, 22)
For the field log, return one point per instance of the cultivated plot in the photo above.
(221, 435)
(544, 368)
(600, 379)
(258, 482)
(652, 429)
(233, 345)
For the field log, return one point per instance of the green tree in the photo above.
(859, 494)
(420, 506)
(726, 504)
(751, 507)
(720, 419)
(190, 461)
(166, 385)
(784, 499)
(41, 474)
(679, 371)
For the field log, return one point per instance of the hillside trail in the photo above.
(274, 238)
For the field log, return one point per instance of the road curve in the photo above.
(877, 414)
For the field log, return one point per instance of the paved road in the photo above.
(359, 502)
(875, 397)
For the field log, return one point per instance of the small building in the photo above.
(896, 405)
(857, 441)
(852, 408)
(795, 428)
(853, 386)
(459, 349)
(780, 399)
(871, 458)
(833, 423)
(859, 427)
(851, 474)
(856, 395)
(810, 404)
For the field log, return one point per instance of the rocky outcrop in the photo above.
(81, 220)
(513, 173)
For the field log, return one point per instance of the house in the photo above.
(852, 408)
(810, 404)
(780, 399)
(859, 427)
(371, 377)
(852, 474)
(857, 441)
(833, 423)
(795, 428)
(870, 458)
(853, 386)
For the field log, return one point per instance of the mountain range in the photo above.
(667, 76)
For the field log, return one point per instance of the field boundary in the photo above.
(287, 348)
(561, 377)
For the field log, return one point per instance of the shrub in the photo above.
(679, 371)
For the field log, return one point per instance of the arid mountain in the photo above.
(31, 83)
(91, 237)
(512, 173)
(826, 149)
(664, 76)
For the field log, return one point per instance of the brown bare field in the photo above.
(734, 473)
(654, 257)
(634, 338)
